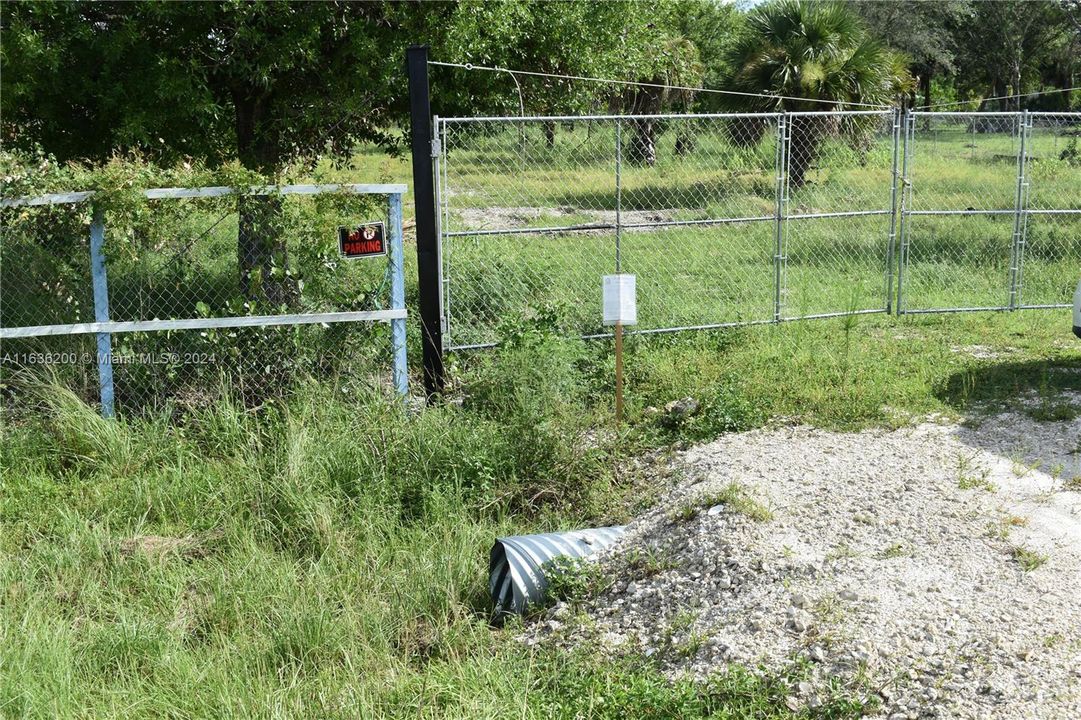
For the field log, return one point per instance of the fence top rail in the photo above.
(217, 191)
(126, 326)
(1000, 113)
(659, 116)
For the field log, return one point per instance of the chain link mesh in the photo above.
(992, 216)
(181, 259)
(1052, 237)
(730, 219)
(535, 211)
(837, 213)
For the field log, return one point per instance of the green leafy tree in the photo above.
(264, 83)
(819, 53)
(1004, 46)
(623, 40)
(676, 69)
(923, 31)
(713, 26)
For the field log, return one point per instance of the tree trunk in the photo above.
(261, 252)
(802, 150)
(925, 88)
(643, 149)
(685, 143)
(550, 134)
(1015, 82)
(262, 256)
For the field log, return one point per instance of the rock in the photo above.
(800, 621)
(865, 518)
(952, 617)
(682, 409)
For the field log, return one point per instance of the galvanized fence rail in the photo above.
(992, 216)
(737, 219)
(173, 295)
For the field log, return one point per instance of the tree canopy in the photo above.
(266, 82)
(272, 81)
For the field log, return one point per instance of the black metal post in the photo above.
(420, 113)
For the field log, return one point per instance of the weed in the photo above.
(574, 580)
(895, 550)
(647, 562)
(1028, 559)
(1054, 411)
(969, 477)
(841, 551)
(734, 497)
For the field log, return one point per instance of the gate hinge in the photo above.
(436, 147)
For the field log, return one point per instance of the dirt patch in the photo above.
(923, 568)
(188, 547)
(504, 218)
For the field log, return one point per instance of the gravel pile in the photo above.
(938, 567)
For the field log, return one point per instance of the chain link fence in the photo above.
(746, 218)
(192, 293)
(992, 211)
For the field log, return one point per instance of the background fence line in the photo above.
(869, 212)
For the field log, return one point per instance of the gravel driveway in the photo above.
(937, 566)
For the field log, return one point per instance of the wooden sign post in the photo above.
(620, 308)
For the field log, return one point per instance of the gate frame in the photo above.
(897, 243)
(779, 216)
(1023, 120)
(104, 328)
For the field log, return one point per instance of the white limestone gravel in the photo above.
(893, 564)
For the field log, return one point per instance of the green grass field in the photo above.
(326, 556)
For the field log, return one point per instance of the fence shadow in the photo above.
(1002, 383)
(1026, 412)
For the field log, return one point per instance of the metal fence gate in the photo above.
(992, 211)
(732, 219)
(149, 308)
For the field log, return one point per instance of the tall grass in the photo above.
(325, 555)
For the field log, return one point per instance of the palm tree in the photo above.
(820, 53)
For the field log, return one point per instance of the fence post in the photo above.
(428, 272)
(778, 220)
(891, 250)
(397, 295)
(101, 313)
(619, 193)
(906, 198)
(1017, 249)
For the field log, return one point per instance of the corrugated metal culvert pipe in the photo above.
(517, 563)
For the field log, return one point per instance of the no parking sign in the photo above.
(367, 240)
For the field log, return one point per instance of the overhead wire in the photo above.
(766, 96)
(998, 97)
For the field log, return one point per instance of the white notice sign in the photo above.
(620, 306)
